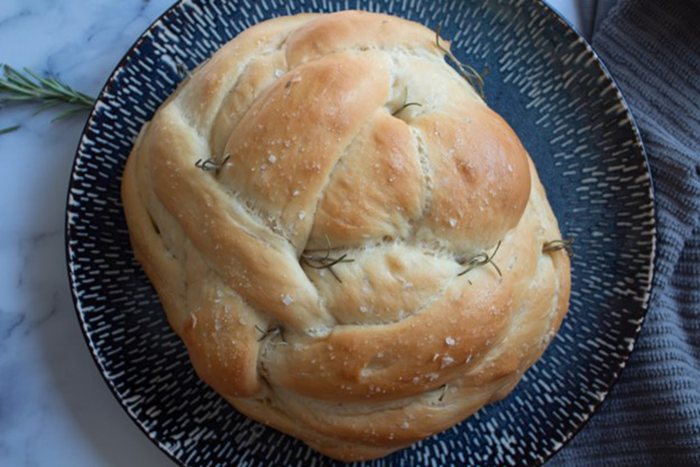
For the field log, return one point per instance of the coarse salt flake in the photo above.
(446, 361)
(287, 300)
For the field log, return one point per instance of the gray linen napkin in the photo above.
(652, 416)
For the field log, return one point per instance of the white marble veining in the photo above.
(55, 409)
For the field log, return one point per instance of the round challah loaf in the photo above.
(347, 239)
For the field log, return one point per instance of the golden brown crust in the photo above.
(303, 122)
(380, 168)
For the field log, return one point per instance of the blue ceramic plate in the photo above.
(543, 79)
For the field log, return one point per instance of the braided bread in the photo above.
(346, 238)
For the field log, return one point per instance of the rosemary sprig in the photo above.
(483, 259)
(270, 332)
(325, 262)
(444, 391)
(473, 77)
(556, 245)
(182, 70)
(211, 165)
(27, 86)
(10, 129)
(405, 104)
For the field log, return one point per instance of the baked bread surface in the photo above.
(311, 153)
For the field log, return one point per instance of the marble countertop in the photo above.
(55, 409)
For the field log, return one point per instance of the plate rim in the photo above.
(537, 4)
(653, 228)
(67, 232)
